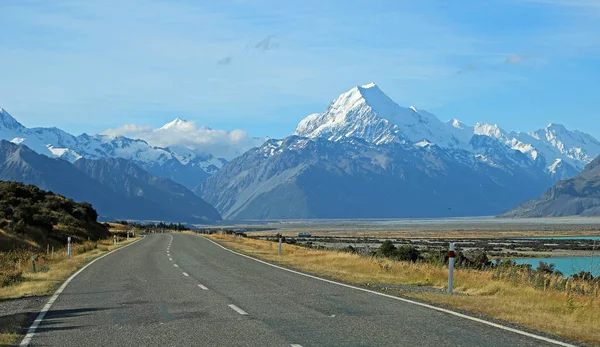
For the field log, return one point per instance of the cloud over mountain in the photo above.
(220, 143)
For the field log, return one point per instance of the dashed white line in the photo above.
(185, 274)
(202, 287)
(175, 265)
(296, 345)
(238, 310)
(171, 259)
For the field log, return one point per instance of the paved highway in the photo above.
(183, 290)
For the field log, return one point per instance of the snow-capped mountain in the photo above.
(180, 164)
(368, 113)
(368, 157)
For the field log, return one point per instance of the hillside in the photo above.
(127, 179)
(577, 196)
(30, 216)
(21, 164)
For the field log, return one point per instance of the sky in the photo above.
(261, 66)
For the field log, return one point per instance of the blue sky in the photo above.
(262, 66)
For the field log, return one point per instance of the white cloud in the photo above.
(219, 143)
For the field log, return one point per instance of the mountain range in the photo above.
(363, 157)
(367, 157)
(117, 188)
(182, 165)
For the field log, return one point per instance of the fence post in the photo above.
(451, 268)
(47, 249)
(69, 247)
(33, 263)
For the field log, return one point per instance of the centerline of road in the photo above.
(238, 310)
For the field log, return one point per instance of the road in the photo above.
(183, 290)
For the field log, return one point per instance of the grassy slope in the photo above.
(569, 315)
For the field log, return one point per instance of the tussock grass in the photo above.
(567, 313)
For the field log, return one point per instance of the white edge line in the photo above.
(202, 287)
(38, 320)
(185, 274)
(482, 321)
(238, 310)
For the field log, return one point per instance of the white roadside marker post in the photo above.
(115, 240)
(234, 234)
(33, 263)
(69, 247)
(451, 268)
(280, 242)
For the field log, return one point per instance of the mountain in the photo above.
(302, 177)
(21, 164)
(179, 164)
(577, 196)
(368, 113)
(127, 179)
(367, 157)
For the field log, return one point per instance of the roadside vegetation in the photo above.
(568, 307)
(35, 224)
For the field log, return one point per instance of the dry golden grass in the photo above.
(566, 314)
(51, 273)
(432, 234)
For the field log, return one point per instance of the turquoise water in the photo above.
(563, 238)
(567, 265)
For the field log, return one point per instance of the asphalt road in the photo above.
(183, 290)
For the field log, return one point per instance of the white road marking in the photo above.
(296, 345)
(439, 309)
(202, 287)
(185, 274)
(38, 320)
(175, 265)
(238, 310)
(171, 259)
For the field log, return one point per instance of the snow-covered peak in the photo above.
(175, 124)
(368, 113)
(455, 123)
(489, 130)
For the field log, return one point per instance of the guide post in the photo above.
(451, 268)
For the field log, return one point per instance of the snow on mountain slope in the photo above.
(191, 166)
(366, 112)
(555, 141)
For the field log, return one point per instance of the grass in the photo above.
(569, 313)
(51, 272)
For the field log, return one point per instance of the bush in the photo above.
(407, 253)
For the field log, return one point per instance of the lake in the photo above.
(567, 265)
